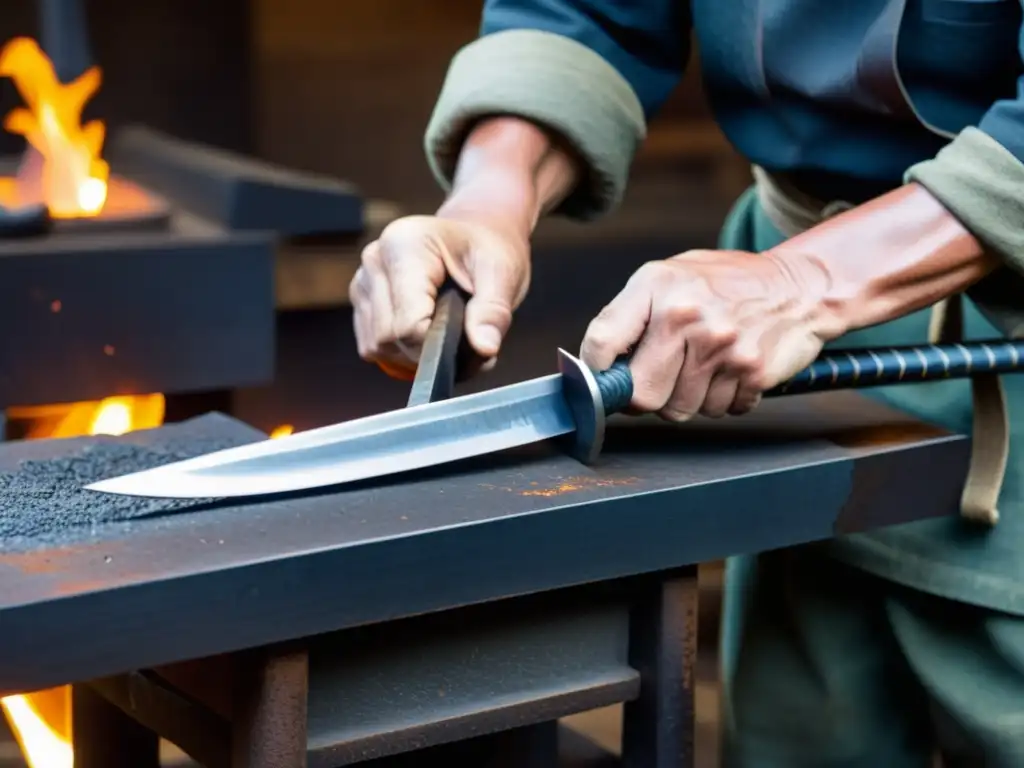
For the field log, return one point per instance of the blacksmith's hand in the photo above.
(394, 291)
(709, 331)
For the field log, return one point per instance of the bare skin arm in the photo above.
(510, 170)
(892, 256)
(710, 330)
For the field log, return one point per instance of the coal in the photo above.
(44, 499)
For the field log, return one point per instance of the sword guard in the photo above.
(583, 395)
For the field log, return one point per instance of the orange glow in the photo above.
(64, 168)
(41, 721)
(281, 431)
(110, 416)
(40, 724)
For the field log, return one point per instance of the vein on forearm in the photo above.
(892, 256)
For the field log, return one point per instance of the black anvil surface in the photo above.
(92, 585)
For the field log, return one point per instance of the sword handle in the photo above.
(860, 369)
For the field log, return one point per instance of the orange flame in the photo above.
(41, 724)
(282, 430)
(67, 172)
(41, 721)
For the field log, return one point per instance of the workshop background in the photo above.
(344, 88)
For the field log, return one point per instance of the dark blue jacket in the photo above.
(846, 94)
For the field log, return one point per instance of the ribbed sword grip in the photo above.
(616, 387)
(860, 369)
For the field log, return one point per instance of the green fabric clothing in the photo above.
(980, 182)
(872, 648)
(949, 557)
(836, 668)
(555, 82)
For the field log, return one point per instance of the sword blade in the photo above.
(397, 441)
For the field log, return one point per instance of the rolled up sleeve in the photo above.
(593, 71)
(979, 177)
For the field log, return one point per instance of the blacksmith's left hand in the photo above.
(708, 331)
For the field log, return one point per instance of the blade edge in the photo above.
(455, 429)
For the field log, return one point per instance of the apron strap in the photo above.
(990, 426)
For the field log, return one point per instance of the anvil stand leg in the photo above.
(105, 737)
(658, 727)
(268, 724)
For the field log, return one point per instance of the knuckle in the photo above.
(367, 347)
(745, 363)
(721, 335)
(393, 258)
(356, 294)
(714, 410)
(409, 325)
(652, 274)
(676, 413)
(405, 230)
(384, 336)
(678, 314)
(645, 401)
(600, 334)
(649, 395)
(745, 402)
(403, 239)
(655, 271)
(380, 332)
(408, 339)
(370, 255)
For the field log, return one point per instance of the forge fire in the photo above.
(63, 167)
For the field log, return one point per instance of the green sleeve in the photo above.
(554, 82)
(982, 184)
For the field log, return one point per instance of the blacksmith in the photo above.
(887, 141)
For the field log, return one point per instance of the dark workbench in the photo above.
(135, 595)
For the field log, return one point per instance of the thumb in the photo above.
(497, 284)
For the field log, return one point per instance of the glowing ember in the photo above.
(41, 721)
(281, 431)
(63, 167)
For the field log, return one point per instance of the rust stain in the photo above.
(75, 587)
(568, 485)
(885, 434)
(56, 560)
(30, 563)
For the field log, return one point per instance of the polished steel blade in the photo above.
(410, 438)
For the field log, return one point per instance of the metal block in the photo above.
(237, 192)
(189, 309)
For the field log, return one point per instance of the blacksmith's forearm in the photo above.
(511, 168)
(897, 254)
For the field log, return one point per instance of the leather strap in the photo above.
(990, 426)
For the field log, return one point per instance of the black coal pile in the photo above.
(44, 498)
